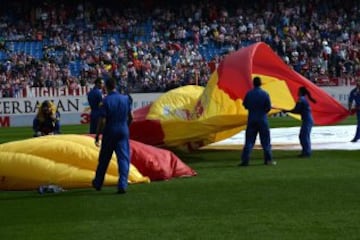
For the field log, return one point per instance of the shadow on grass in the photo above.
(17, 195)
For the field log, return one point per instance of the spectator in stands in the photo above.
(75, 40)
(47, 120)
(258, 103)
(95, 97)
(354, 96)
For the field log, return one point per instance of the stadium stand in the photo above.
(152, 46)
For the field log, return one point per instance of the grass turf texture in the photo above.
(313, 198)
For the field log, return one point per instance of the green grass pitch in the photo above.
(316, 198)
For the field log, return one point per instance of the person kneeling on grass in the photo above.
(47, 120)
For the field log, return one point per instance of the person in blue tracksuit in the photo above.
(303, 108)
(95, 98)
(258, 103)
(354, 96)
(115, 117)
(126, 92)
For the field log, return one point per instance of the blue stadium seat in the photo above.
(75, 68)
(3, 56)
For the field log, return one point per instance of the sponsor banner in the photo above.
(340, 93)
(73, 109)
(143, 99)
(24, 106)
(54, 92)
(4, 121)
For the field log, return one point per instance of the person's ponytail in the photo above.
(310, 97)
(304, 91)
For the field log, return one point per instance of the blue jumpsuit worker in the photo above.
(258, 103)
(47, 120)
(115, 117)
(303, 108)
(95, 98)
(355, 96)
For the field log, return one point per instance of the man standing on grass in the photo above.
(355, 96)
(94, 98)
(115, 117)
(258, 103)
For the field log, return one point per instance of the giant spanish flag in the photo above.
(196, 116)
(70, 160)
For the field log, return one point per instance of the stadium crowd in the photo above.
(152, 46)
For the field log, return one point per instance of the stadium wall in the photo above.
(16, 112)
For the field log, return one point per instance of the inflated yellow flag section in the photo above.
(67, 160)
(194, 116)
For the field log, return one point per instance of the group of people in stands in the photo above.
(169, 45)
